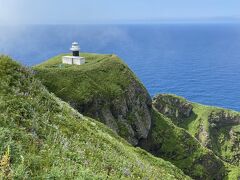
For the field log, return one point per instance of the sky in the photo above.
(113, 11)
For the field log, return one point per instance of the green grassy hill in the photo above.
(41, 137)
(176, 145)
(105, 89)
(100, 76)
(216, 128)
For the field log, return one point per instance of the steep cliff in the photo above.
(41, 137)
(177, 146)
(217, 129)
(105, 88)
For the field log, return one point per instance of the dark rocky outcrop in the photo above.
(225, 132)
(129, 114)
(172, 106)
(176, 145)
(223, 118)
(215, 128)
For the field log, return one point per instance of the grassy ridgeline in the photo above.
(43, 137)
(216, 128)
(105, 89)
(106, 78)
(67, 81)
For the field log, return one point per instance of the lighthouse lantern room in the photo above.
(75, 49)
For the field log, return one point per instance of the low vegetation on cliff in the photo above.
(105, 89)
(215, 128)
(177, 146)
(41, 137)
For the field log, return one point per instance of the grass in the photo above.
(45, 138)
(212, 126)
(220, 140)
(106, 77)
(101, 76)
(177, 146)
(103, 88)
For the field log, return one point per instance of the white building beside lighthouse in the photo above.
(75, 58)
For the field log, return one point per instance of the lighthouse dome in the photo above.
(75, 43)
(75, 47)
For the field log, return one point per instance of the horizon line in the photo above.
(200, 20)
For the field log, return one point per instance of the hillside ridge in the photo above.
(216, 128)
(42, 137)
(107, 90)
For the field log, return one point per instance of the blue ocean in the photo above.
(198, 61)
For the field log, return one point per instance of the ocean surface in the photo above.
(198, 61)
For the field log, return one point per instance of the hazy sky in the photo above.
(101, 11)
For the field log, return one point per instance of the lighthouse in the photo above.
(75, 49)
(75, 58)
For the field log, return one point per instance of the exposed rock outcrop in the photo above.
(225, 135)
(129, 114)
(203, 135)
(215, 128)
(176, 145)
(105, 89)
(223, 118)
(172, 106)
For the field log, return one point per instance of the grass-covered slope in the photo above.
(105, 89)
(177, 146)
(216, 128)
(42, 137)
(103, 84)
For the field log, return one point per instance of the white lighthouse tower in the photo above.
(75, 58)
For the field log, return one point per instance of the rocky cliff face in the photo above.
(176, 145)
(225, 135)
(217, 129)
(129, 114)
(105, 89)
(223, 118)
(172, 106)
